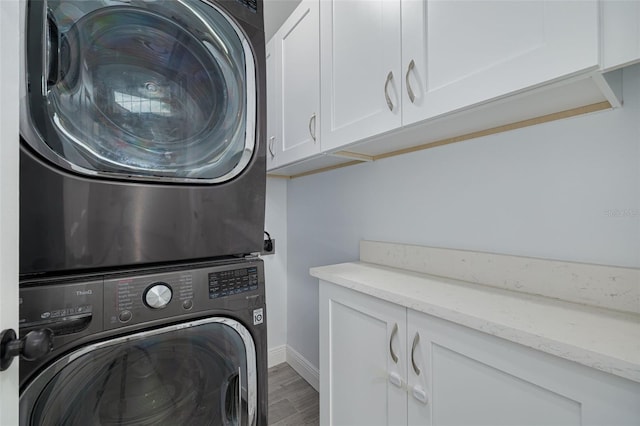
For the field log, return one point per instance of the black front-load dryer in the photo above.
(142, 133)
(161, 347)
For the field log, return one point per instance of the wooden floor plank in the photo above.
(292, 401)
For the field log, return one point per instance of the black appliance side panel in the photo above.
(247, 11)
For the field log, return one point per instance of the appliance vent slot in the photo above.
(250, 4)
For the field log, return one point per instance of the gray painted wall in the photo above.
(275, 265)
(275, 13)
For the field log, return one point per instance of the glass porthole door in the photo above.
(201, 373)
(140, 89)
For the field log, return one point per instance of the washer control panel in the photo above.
(158, 295)
(139, 298)
(133, 299)
(65, 308)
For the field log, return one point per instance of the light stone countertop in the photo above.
(599, 338)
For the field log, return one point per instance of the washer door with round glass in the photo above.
(145, 90)
(200, 373)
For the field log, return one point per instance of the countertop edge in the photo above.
(603, 362)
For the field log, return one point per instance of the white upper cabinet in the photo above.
(382, 69)
(620, 33)
(360, 60)
(273, 129)
(399, 74)
(297, 108)
(460, 53)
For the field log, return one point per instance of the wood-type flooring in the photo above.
(292, 401)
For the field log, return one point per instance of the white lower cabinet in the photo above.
(362, 359)
(472, 378)
(448, 374)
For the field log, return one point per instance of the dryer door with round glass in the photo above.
(200, 373)
(145, 90)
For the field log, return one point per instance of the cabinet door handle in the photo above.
(416, 340)
(386, 90)
(412, 96)
(270, 146)
(313, 132)
(394, 357)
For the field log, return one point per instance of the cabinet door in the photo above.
(362, 359)
(273, 104)
(620, 33)
(467, 52)
(360, 60)
(474, 378)
(299, 47)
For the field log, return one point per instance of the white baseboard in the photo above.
(277, 355)
(300, 364)
(303, 367)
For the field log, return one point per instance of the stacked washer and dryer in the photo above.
(142, 191)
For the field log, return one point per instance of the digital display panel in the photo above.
(228, 283)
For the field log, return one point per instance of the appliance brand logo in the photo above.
(84, 292)
(258, 316)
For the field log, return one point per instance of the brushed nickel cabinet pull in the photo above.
(270, 146)
(394, 357)
(416, 340)
(386, 90)
(313, 132)
(412, 96)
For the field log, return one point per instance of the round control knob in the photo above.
(158, 295)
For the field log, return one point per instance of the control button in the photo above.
(187, 304)
(158, 295)
(125, 316)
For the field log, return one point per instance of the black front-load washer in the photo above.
(142, 133)
(157, 347)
